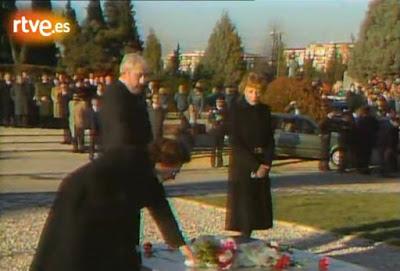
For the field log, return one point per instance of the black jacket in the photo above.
(94, 222)
(124, 118)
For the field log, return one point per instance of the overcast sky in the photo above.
(191, 22)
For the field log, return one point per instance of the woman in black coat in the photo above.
(249, 205)
(93, 223)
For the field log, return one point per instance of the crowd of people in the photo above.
(73, 104)
(369, 120)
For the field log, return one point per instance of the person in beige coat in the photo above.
(78, 111)
(56, 98)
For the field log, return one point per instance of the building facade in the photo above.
(320, 53)
(190, 60)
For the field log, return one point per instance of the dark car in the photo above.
(299, 136)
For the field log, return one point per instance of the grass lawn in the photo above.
(374, 216)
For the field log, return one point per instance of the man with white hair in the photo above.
(126, 127)
(124, 116)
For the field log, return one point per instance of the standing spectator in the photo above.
(95, 127)
(56, 99)
(231, 96)
(156, 116)
(355, 99)
(387, 143)
(82, 90)
(212, 98)
(124, 116)
(150, 90)
(366, 131)
(197, 100)
(181, 99)
(249, 204)
(108, 80)
(78, 113)
(43, 100)
(33, 112)
(66, 96)
(218, 117)
(165, 99)
(20, 95)
(100, 90)
(124, 113)
(7, 104)
(325, 140)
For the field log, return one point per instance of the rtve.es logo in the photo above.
(38, 26)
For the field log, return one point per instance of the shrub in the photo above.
(283, 90)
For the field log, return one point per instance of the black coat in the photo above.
(249, 200)
(7, 104)
(124, 118)
(93, 223)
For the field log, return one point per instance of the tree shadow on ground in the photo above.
(37, 176)
(327, 179)
(356, 248)
(386, 231)
(19, 201)
(30, 142)
(33, 150)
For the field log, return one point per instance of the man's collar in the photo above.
(131, 90)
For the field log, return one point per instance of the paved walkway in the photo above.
(32, 162)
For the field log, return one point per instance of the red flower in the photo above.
(324, 264)
(283, 262)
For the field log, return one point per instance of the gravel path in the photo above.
(20, 229)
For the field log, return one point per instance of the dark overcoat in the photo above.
(20, 93)
(7, 104)
(249, 205)
(93, 223)
(124, 118)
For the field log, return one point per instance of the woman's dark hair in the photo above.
(169, 151)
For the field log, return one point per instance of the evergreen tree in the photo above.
(377, 50)
(71, 43)
(82, 49)
(174, 62)
(95, 16)
(223, 57)
(121, 34)
(281, 69)
(130, 35)
(70, 14)
(41, 54)
(152, 52)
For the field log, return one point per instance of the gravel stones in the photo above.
(20, 230)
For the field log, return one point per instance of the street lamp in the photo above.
(276, 48)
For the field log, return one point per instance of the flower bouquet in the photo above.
(225, 253)
(214, 252)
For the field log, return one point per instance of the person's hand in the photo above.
(188, 254)
(43, 99)
(262, 171)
